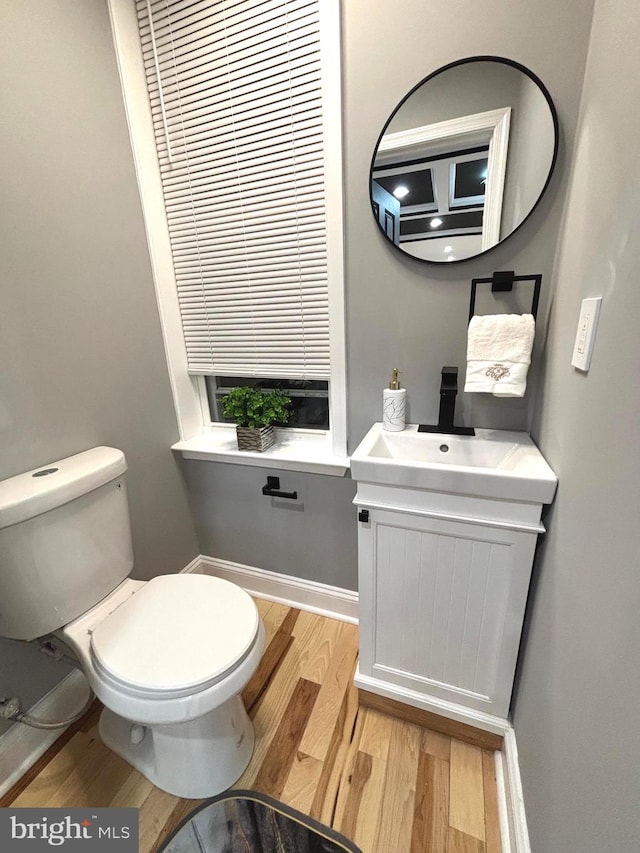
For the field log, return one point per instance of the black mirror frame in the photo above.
(556, 131)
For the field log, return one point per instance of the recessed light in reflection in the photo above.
(436, 222)
(448, 249)
(401, 192)
(451, 258)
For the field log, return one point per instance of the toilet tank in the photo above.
(65, 541)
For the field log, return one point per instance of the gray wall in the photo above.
(314, 537)
(531, 141)
(80, 343)
(576, 708)
(460, 91)
(83, 338)
(401, 312)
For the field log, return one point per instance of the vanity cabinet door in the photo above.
(442, 604)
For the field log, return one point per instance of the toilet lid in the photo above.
(178, 633)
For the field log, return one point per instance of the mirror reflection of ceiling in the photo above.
(463, 160)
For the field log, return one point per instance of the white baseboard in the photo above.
(315, 597)
(513, 819)
(21, 745)
(469, 716)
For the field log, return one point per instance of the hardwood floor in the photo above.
(389, 785)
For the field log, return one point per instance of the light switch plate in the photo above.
(586, 333)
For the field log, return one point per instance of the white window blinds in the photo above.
(235, 88)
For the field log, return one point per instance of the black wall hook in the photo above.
(272, 488)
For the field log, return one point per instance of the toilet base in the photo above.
(197, 759)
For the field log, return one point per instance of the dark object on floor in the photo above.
(253, 823)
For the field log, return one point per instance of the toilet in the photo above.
(168, 657)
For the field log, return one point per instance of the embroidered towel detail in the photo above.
(499, 353)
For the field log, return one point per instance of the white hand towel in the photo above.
(499, 354)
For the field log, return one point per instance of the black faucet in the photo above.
(448, 393)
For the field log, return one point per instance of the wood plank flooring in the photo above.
(389, 785)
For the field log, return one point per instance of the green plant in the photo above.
(252, 407)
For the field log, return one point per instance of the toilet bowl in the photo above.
(168, 657)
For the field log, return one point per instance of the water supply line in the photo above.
(11, 708)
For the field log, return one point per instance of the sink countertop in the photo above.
(493, 463)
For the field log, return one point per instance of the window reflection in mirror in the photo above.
(463, 160)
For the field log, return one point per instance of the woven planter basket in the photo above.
(256, 439)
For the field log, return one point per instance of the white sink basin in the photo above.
(491, 464)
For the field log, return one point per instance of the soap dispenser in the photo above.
(394, 404)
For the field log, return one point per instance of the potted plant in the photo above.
(255, 412)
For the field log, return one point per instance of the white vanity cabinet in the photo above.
(445, 551)
(443, 583)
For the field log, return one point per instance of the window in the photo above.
(309, 398)
(241, 101)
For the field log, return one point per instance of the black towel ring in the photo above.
(503, 281)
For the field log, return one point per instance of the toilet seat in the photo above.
(177, 636)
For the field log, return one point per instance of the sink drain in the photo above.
(444, 448)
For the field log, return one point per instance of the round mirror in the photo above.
(464, 159)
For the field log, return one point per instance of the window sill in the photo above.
(294, 450)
